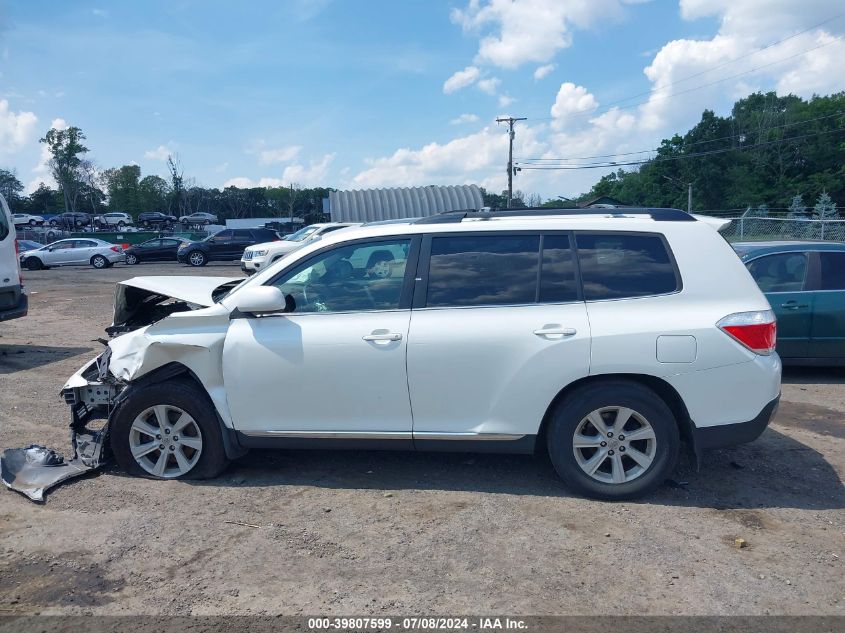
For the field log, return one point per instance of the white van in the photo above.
(13, 302)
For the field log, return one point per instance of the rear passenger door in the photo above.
(783, 279)
(827, 333)
(497, 329)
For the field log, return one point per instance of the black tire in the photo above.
(189, 398)
(33, 263)
(131, 260)
(32, 223)
(206, 222)
(121, 224)
(569, 414)
(99, 262)
(196, 258)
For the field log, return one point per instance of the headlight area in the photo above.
(91, 394)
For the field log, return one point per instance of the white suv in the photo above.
(604, 338)
(260, 256)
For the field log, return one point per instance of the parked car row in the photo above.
(113, 219)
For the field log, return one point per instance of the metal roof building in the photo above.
(372, 205)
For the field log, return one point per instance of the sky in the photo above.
(358, 94)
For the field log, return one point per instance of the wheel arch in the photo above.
(663, 389)
(176, 371)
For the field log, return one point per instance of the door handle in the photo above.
(556, 332)
(389, 336)
(792, 305)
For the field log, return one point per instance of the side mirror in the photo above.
(259, 299)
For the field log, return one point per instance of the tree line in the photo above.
(769, 154)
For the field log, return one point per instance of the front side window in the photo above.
(784, 272)
(832, 271)
(624, 265)
(496, 269)
(357, 277)
(61, 246)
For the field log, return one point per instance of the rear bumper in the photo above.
(723, 435)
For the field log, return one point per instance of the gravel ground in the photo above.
(395, 533)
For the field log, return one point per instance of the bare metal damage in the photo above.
(144, 341)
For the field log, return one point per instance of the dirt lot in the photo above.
(394, 533)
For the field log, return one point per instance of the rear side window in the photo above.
(622, 265)
(784, 272)
(832, 271)
(497, 269)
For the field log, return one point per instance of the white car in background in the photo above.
(75, 251)
(260, 256)
(25, 219)
(114, 219)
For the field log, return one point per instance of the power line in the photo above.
(711, 140)
(679, 157)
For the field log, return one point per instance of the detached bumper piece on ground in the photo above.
(34, 470)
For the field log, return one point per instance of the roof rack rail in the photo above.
(661, 215)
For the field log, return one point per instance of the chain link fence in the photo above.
(760, 229)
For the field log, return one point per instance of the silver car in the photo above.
(73, 252)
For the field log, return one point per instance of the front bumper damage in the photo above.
(91, 394)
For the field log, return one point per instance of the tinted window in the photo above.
(222, 236)
(495, 269)
(624, 265)
(169, 243)
(358, 277)
(784, 272)
(151, 244)
(833, 271)
(557, 277)
(263, 235)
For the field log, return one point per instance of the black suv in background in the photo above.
(71, 220)
(227, 245)
(155, 218)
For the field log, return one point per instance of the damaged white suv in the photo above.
(605, 338)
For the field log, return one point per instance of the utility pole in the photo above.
(510, 121)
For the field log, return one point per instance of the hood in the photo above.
(143, 300)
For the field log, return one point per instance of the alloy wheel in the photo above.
(165, 441)
(614, 445)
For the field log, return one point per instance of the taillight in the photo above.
(755, 330)
(116, 249)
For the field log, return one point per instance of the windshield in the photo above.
(301, 234)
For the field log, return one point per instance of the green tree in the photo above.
(10, 186)
(123, 188)
(797, 208)
(825, 208)
(153, 193)
(66, 150)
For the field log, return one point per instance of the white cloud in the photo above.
(461, 79)
(279, 155)
(312, 175)
(464, 118)
(159, 153)
(16, 128)
(489, 85)
(505, 100)
(543, 71)
(514, 32)
(242, 182)
(571, 99)
(42, 168)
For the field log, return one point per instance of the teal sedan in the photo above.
(805, 285)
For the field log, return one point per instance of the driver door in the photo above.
(333, 365)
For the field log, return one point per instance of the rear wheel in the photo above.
(121, 224)
(197, 258)
(98, 261)
(32, 223)
(613, 440)
(33, 263)
(168, 431)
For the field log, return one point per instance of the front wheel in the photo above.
(33, 263)
(131, 259)
(197, 258)
(168, 431)
(32, 223)
(98, 261)
(613, 440)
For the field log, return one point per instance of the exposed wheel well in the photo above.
(662, 388)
